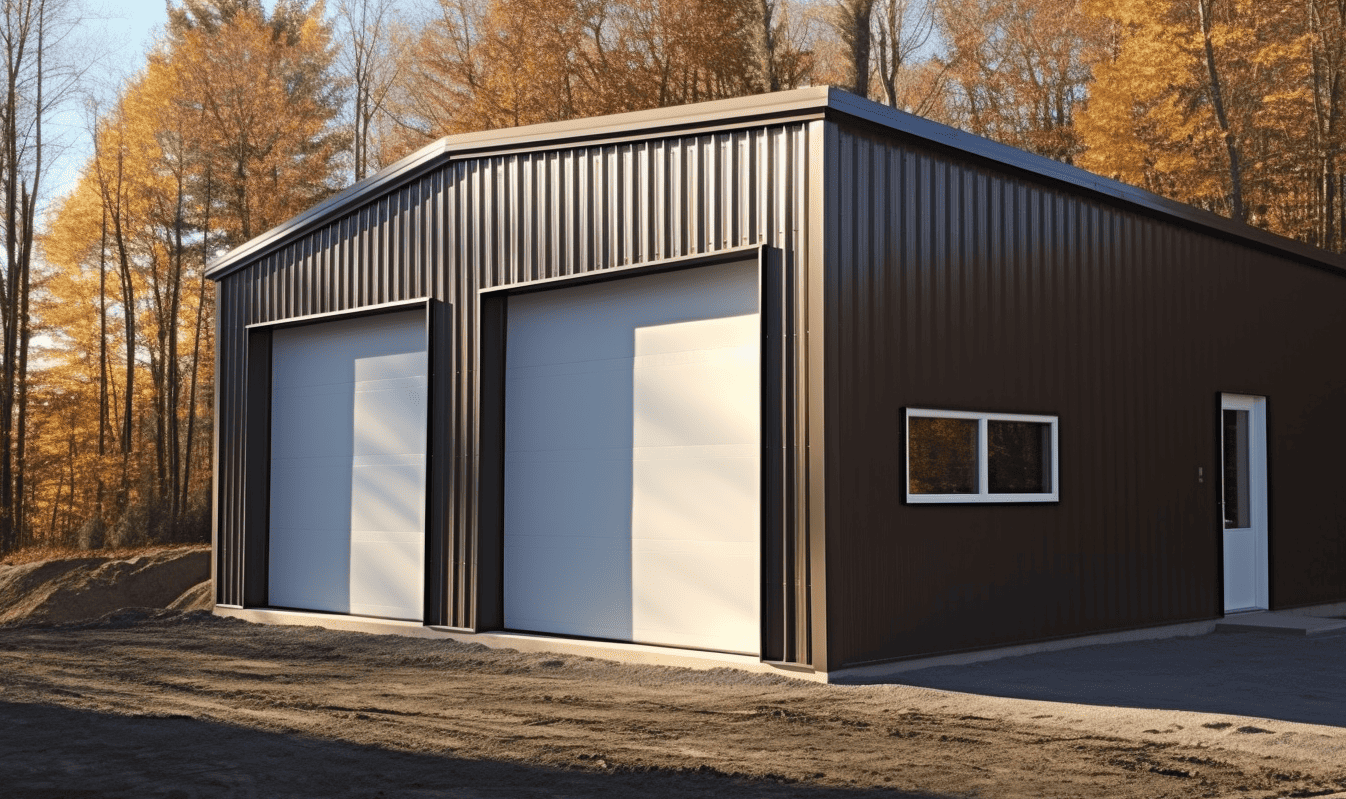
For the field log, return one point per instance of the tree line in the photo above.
(245, 113)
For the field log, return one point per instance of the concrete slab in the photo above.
(1286, 678)
(525, 642)
(1279, 624)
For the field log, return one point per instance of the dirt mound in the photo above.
(73, 589)
(198, 597)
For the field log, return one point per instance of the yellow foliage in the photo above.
(1150, 118)
(225, 133)
(498, 63)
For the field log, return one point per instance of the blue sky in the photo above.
(131, 23)
(121, 33)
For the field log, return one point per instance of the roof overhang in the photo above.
(776, 108)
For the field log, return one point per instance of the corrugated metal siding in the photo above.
(493, 221)
(955, 285)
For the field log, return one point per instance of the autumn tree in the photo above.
(853, 23)
(902, 30)
(37, 79)
(1020, 69)
(228, 131)
(267, 98)
(370, 61)
(1325, 25)
(1225, 104)
(497, 63)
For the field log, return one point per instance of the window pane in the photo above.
(942, 455)
(1236, 511)
(1020, 457)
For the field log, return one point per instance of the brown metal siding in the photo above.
(957, 285)
(489, 221)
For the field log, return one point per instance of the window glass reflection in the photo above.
(1236, 510)
(942, 456)
(1019, 457)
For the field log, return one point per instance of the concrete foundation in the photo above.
(526, 642)
(1319, 619)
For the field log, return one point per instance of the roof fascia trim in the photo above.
(372, 186)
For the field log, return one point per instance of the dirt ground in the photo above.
(184, 704)
(174, 702)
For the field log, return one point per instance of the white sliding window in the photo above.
(961, 456)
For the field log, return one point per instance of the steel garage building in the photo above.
(796, 378)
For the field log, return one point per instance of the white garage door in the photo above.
(632, 460)
(348, 466)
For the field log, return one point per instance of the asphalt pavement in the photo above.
(1273, 676)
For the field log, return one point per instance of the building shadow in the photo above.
(51, 752)
(1244, 674)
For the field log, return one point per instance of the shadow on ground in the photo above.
(1246, 674)
(51, 752)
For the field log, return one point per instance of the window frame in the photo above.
(983, 495)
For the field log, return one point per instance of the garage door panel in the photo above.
(579, 410)
(384, 574)
(341, 351)
(323, 584)
(712, 400)
(378, 497)
(312, 422)
(326, 493)
(632, 419)
(695, 336)
(348, 466)
(704, 499)
(691, 593)
(565, 599)
(384, 365)
(588, 316)
(389, 417)
(560, 499)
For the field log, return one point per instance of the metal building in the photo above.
(796, 378)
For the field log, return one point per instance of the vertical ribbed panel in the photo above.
(958, 285)
(479, 222)
(230, 346)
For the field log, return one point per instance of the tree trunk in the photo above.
(29, 207)
(196, 347)
(852, 20)
(129, 317)
(767, 45)
(9, 345)
(1217, 101)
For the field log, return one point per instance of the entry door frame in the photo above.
(1259, 495)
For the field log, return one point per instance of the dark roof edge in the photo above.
(776, 107)
(371, 186)
(850, 105)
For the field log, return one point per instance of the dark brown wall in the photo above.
(954, 285)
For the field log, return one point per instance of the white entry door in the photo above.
(348, 420)
(1244, 499)
(632, 436)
